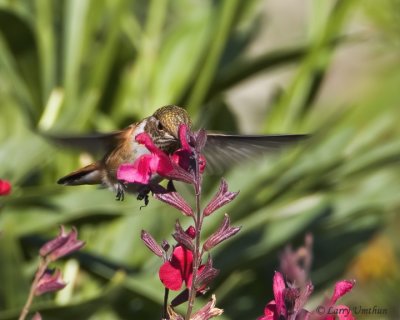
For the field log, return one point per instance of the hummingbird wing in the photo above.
(97, 143)
(223, 151)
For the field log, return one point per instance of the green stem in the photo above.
(39, 273)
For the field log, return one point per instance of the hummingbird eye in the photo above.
(160, 126)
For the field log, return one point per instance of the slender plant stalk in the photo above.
(197, 251)
(164, 314)
(39, 273)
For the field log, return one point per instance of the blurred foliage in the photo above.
(85, 66)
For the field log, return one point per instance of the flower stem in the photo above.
(164, 314)
(39, 273)
(198, 220)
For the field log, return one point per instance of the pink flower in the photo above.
(179, 268)
(276, 308)
(144, 167)
(158, 162)
(5, 187)
(288, 302)
(341, 311)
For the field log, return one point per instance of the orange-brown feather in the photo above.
(91, 174)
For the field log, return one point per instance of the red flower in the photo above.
(158, 162)
(289, 301)
(5, 187)
(179, 268)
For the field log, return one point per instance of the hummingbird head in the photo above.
(163, 126)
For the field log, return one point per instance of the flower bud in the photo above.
(151, 243)
(165, 245)
(49, 282)
(225, 231)
(175, 200)
(222, 198)
(208, 311)
(206, 275)
(62, 245)
(183, 237)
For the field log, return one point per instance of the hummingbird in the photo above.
(221, 150)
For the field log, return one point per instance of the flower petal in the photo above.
(138, 172)
(170, 276)
(144, 138)
(182, 158)
(172, 273)
(163, 166)
(183, 137)
(341, 288)
(269, 312)
(279, 288)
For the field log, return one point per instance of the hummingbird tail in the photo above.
(90, 174)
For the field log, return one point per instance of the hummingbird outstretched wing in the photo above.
(224, 151)
(96, 143)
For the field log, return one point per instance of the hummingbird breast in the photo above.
(126, 150)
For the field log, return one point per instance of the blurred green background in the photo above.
(330, 68)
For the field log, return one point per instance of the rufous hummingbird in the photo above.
(221, 150)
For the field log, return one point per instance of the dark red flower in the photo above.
(158, 162)
(179, 268)
(5, 187)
